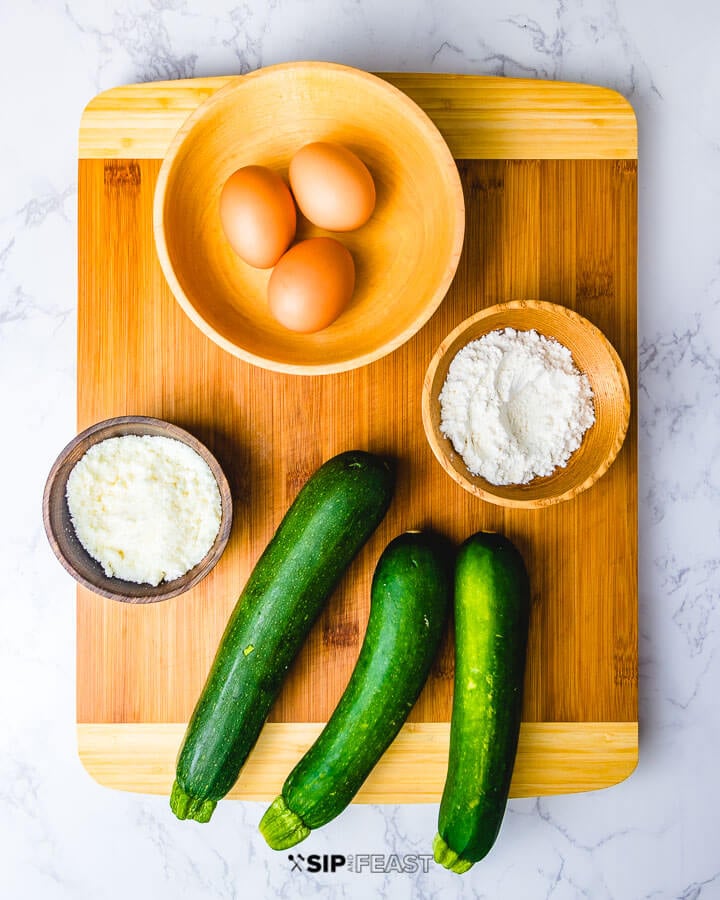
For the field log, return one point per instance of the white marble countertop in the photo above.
(655, 835)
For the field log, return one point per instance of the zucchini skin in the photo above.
(492, 611)
(331, 518)
(410, 600)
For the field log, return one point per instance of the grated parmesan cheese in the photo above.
(147, 508)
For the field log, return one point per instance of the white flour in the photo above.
(514, 406)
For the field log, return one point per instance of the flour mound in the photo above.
(514, 406)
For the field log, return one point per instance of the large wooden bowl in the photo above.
(61, 534)
(405, 256)
(592, 353)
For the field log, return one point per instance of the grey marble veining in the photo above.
(655, 836)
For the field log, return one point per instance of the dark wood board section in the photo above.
(556, 230)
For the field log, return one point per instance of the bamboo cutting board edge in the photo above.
(556, 757)
(552, 758)
(575, 121)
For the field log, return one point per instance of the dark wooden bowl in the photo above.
(64, 541)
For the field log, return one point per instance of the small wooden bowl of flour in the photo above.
(526, 404)
(137, 509)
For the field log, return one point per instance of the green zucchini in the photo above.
(492, 610)
(329, 521)
(410, 598)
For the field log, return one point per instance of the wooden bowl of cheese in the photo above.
(137, 509)
(526, 404)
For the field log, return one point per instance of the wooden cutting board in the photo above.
(550, 178)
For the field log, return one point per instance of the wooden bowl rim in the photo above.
(445, 160)
(164, 590)
(436, 444)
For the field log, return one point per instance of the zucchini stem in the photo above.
(281, 827)
(187, 807)
(449, 858)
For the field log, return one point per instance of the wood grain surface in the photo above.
(479, 116)
(562, 230)
(553, 758)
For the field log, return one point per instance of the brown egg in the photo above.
(332, 186)
(258, 215)
(311, 285)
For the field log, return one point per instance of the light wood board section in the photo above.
(552, 758)
(562, 230)
(479, 116)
